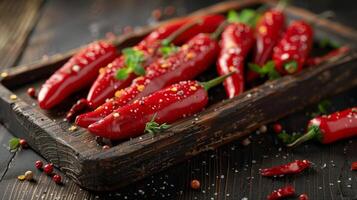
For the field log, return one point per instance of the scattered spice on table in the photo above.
(28, 175)
(13, 97)
(38, 164)
(31, 92)
(57, 178)
(48, 168)
(195, 184)
(277, 127)
(21, 177)
(290, 168)
(3, 74)
(283, 192)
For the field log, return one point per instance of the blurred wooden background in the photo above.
(34, 29)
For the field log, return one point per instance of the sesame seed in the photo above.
(4, 74)
(13, 97)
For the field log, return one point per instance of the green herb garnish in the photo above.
(267, 70)
(246, 16)
(133, 64)
(153, 127)
(14, 144)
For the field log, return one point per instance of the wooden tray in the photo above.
(81, 158)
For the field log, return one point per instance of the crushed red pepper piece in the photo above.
(290, 168)
(280, 193)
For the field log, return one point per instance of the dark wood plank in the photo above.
(15, 30)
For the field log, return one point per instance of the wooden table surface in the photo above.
(32, 30)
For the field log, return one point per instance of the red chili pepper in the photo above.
(167, 105)
(330, 128)
(189, 61)
(106, 84)
(286, 191)
(354, 166)
(290, 168)
(237, 40)
(269, 30)
(334, 54)
(292, 51)
(77, 73)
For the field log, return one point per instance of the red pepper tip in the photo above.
(85, 120)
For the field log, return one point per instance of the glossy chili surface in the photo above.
(78, 72)
(189, 61)
(169, 104)
(269, 30)
(336, 126)
(237, 40)
(295, 46)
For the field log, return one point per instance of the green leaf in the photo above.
(133, 63)
(139, 70)
(267, 70)
(14, 143)
(122, 74)
(326, 42)
(291, 66)
(256, 68)
(167, 50)
(323, 106)
(153, 127)
(232, 16)
(246, 16)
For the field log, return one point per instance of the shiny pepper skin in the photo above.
(192, 59)
(337, 126)
(295, 45)
(170, 104)
(106, 84)
(269, 30)
(330, 128)
(76, 74)
(237, 40)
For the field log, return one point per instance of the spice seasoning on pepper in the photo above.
(177, 68)
(166, 104)
(77, 73)
(141, 56)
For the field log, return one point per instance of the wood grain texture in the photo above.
(78, 155)
(14, 31)
(209, 167)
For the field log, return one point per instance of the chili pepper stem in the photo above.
(311, 134)
(219, 30)
(179, 31)
(211, 83)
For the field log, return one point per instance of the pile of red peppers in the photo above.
(147, 87)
